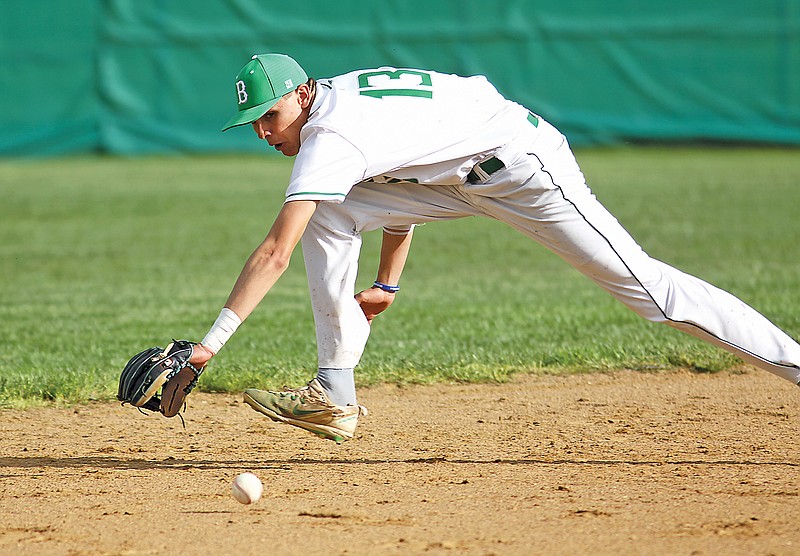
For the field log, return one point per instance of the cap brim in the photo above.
(249, 115)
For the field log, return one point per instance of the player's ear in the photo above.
(304, 95)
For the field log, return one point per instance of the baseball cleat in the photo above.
(309, 408)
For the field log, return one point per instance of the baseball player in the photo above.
(393, 147)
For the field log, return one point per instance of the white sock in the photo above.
(339, 384)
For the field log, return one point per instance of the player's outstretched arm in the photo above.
(394, 252)
(270, 259)
(263, 268)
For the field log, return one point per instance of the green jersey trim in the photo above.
(317, 193)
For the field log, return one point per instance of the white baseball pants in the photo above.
(547, 199)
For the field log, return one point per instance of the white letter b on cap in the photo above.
(241, 92)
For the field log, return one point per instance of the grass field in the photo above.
(103, 257)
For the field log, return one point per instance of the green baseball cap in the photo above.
(261, 83)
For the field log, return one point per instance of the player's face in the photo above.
(281, 125)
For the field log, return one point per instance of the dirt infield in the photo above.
(620, 463)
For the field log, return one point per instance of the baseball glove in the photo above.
(166, 369)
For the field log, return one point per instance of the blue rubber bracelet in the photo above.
(386, 287)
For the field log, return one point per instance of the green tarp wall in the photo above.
(153, 76)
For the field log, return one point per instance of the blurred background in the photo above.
(156, 76)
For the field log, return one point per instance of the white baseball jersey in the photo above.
(389, 125)
(399, 132)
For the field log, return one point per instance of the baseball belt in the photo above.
(481, 172)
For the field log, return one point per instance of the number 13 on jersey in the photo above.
(409, 83)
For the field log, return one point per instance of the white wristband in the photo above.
(226, 324)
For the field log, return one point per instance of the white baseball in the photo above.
(247, 488)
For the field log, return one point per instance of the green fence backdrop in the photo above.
(151, 76)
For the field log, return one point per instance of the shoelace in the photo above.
(306, 394)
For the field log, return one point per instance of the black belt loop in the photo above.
(481, 172)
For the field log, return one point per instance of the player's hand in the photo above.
(200, 356)
(374, 301)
